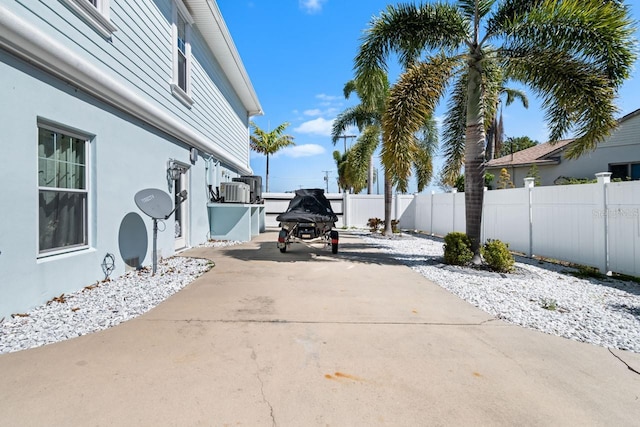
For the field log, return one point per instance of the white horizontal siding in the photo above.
(139, 55)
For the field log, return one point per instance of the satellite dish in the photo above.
(155, 203)
(158, 205)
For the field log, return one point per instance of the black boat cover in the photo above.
(308, 205)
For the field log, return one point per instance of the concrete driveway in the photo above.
(308, 338)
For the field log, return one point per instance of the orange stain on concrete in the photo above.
(342, 375)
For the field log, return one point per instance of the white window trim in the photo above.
(95, 16)
(88, 138)
(182, 95)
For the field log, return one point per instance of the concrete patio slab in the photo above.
(307, 338)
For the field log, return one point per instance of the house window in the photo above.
(182, 21)
(625, 171)
(95, 13)
(62, 191)
(182, 53)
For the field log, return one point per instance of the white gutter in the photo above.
(27, 41)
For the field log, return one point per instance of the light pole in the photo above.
(326, 179)
(344, 137)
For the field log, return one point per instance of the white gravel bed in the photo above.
(538, 295)
(101, 305)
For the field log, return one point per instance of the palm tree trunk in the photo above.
(474, 160)
(267, 176)
(388, 198)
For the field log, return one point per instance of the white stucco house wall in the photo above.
(100, 99)
(619, 154)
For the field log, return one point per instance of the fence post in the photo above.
(345, 209)
(484, 220)
(431, 207)
(604, 178)
(395, 199)
(529, 183)
(453, 203)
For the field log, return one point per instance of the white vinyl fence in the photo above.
(353, 210)
(590, 224)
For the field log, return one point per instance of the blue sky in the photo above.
(299, 54)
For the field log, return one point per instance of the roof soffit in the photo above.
(209, 21)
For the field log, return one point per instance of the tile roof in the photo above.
(542, 153)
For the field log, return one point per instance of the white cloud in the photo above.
(314, 112)
(319, 126)
(325, 97)
(311, 6)
(304, 150)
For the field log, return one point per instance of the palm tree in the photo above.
(347, 180)
(367, 117)
(269, 143)
(574, 54)
(495, 131)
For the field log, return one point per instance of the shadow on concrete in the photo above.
(350, 249)
(268, 251)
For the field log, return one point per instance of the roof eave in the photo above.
(523, 164)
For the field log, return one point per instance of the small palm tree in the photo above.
(495, 131)
(574, 54)
(269, 143)
(367, 117)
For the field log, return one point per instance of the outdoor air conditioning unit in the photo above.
(255, 187)
(234, 192)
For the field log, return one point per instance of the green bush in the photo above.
(496, 254)
(457, 249)
(394, 226)
(375, 224)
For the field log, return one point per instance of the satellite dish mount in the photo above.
(158, 205)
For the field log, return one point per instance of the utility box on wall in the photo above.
(255, 187)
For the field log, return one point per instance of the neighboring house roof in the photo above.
(629, 116)
(209, 21)
(547, 154)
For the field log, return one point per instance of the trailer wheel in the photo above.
(282, 241)
(334, 241)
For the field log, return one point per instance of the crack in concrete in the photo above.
(314, 322)
(635, 371)
(254, 356)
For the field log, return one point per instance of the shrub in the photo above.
(457, 249)
(374, 224)
(504, 180)
(394, 226)
(496, 254)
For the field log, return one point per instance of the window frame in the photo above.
(182, 94)
(86, 191)
(97, 16)
(628, 165)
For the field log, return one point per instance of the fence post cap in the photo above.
(603, 177)
(529, 182)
